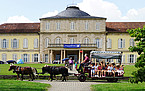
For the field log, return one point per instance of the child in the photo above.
(110, 69)
(95, 67)
(75, 65)
(92, 70)
(99, 70)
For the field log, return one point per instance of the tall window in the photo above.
(25, 43)
(86, 41)
(71, 40)
(4, 57)
(35, 43)
(98, 43)
(35, 57)
(86, 26)
(47, 25)
(46, 42)
(4, 43)
(132, 42)
(109, 43)
(58, 26)
(14, 43)
(25, 58)
(57, 40)
(46, 57)
(121, 43)
(97, 26)
(15, 57)
(72, 26)
(131, 58)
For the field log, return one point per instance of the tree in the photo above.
(139, 35)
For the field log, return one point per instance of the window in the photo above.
(72, 26)
(47, 26)
(57, 41)
(97, 26)
(4, 43)
(121, 43)
(35, 57)
(132, 42)
(46, 57)
(35, 43)
(98, 43)
(14, 43)
(46, 42)
(14, 57)
(86, 41)
(109, 43)
(86, 26)
(25, 43)
(71, 40)
(131, 58)
(58, 26)
(4, 57)
(25, 58)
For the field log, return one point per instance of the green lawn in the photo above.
(129, 69)
(118, 87)
(13, 85)
(4, 68)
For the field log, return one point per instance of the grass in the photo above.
(13, 85)
(119, 87)
(4, 67)
(128, 70)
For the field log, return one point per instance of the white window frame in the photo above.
(4, 43)
(35, 57)
(47, 25)
(72, 26)
(25, 57)
(57, 41)
(86, 26)
(15, 43)
(4, 57)
(121, 43)
(58, 26)
(71, 40)
(46, 42)
(25, 43)
(35, 43)
(132, 43)
(109, 43)
(97, 26)
(86, 41)
(15, 57)
(132, 58)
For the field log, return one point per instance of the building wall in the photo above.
(20, 50)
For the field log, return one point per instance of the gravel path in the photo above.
(70, 85)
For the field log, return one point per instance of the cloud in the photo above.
(50, 14)
(110, 11)
(18, 19)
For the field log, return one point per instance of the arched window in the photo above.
(98, 43)
(132, 42)
(109, 43)
(25, 43)
(57, 41)
(86, 41)
(14, 43)
(71, 40)
(46, 42)
(4, 43)
(35, 43)
(121, 43)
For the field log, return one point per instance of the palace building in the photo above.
(71, 33)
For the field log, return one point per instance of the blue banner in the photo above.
(72, 45)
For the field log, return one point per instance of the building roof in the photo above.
(72, 12)
(20, 28)
(122, 26)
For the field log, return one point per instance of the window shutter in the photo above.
(100, 44)
(26, 43)
(7, 43)
(32, 57)
(28, 58)
(108, 43)
(119, 44)
(22, 57)
(123, 43)
(43, 57)
(11, 43)
(46, 42)
(0, 44)
(128, 58)
(38, 57)
(17, 43)
(23, 43)
(135, 58)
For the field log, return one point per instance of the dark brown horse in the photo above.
(23, 71)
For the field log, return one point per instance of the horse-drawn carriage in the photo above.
(94, 56)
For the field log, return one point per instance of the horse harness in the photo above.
(17, 69)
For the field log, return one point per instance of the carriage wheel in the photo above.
(82, 78)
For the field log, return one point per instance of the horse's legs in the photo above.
(21, 77)
(29, 77)
(18, 76)
(51, 77)
(33, 77)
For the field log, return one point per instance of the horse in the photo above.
(55, 70)
(24, 71)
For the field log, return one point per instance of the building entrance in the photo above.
(74, 57)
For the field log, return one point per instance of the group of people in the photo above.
(105, 69)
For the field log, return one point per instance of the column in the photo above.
(48, 56)
(51, 57)
(79, 57)
(61, 56)
(64, 54)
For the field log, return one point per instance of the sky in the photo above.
(29, 11)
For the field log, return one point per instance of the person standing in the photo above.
(70, 63)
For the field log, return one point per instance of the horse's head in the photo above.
(12, 67)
